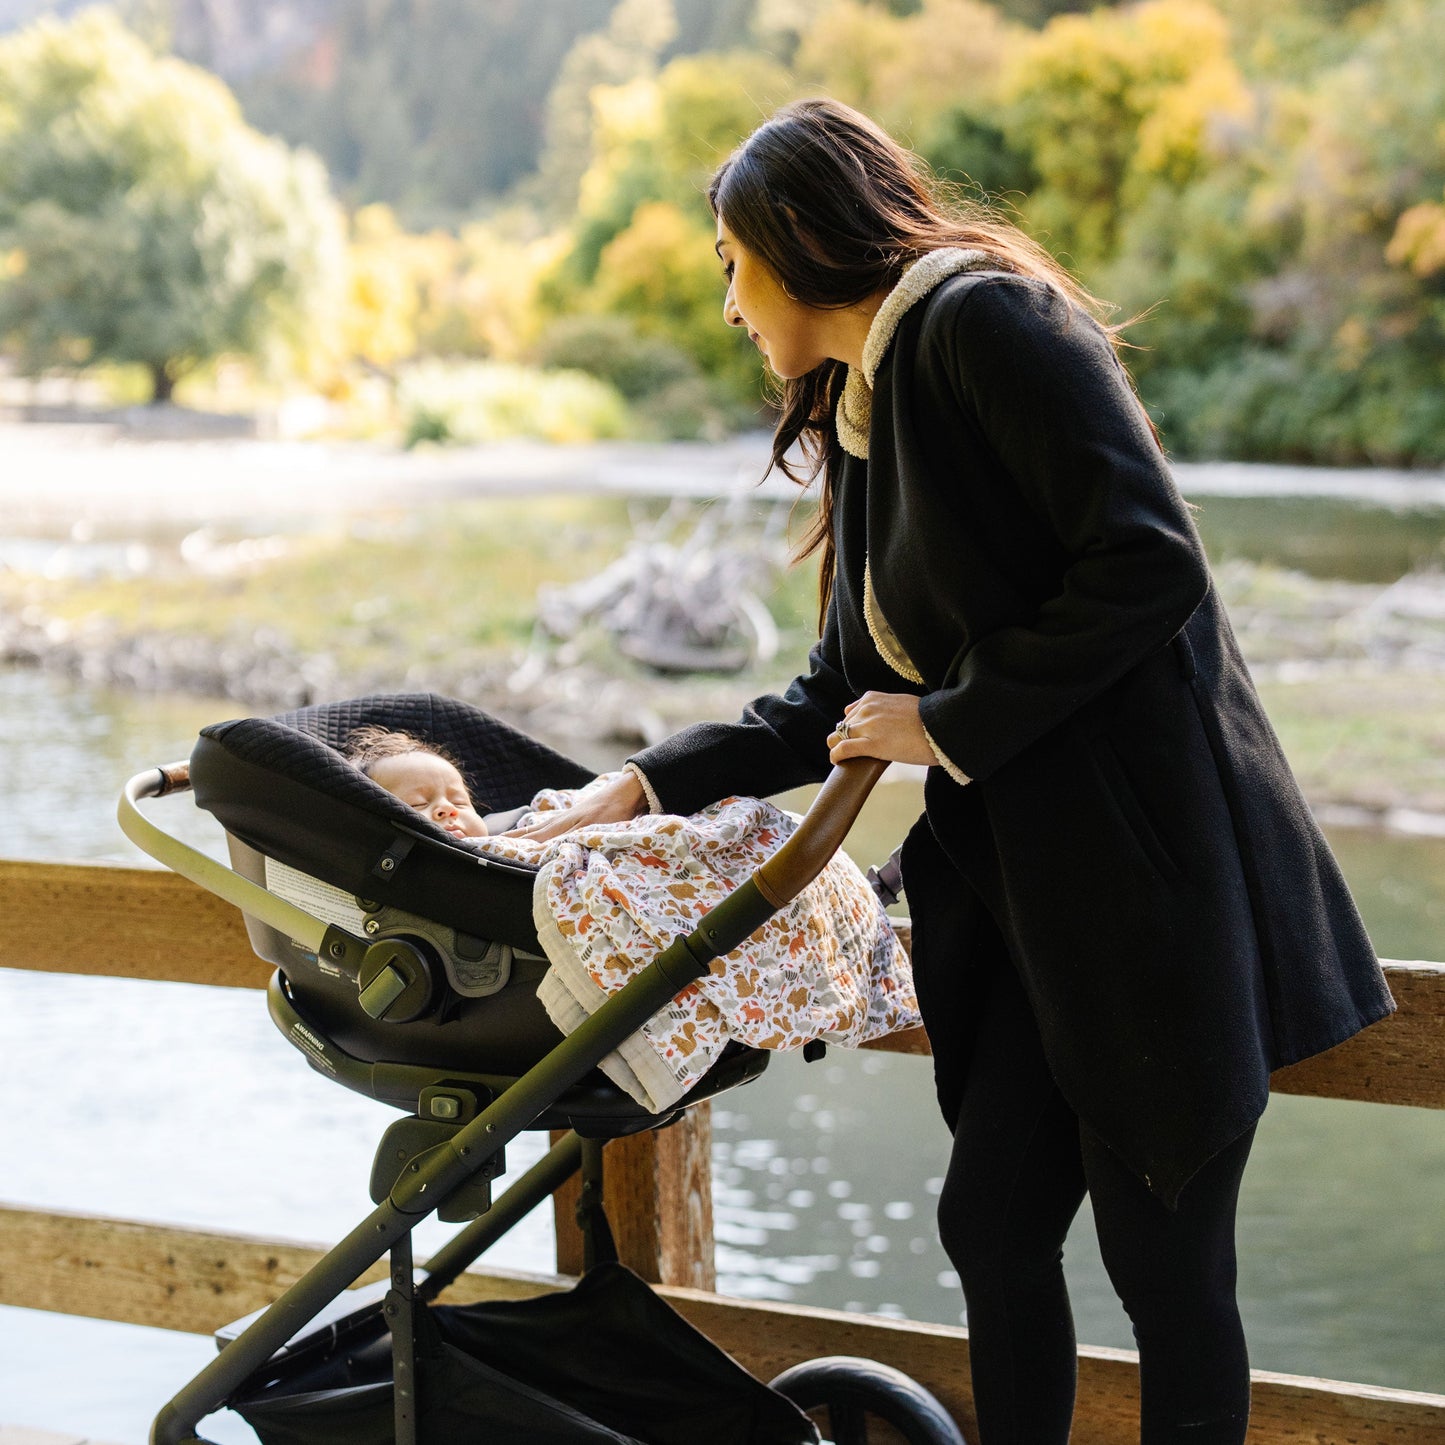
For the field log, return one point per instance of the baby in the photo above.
(421, 775)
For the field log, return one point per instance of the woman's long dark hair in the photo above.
(837, 210)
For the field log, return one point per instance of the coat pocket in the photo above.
(1130, 809)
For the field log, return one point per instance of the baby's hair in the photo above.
(367, 746)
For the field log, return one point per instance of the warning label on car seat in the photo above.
(331, 905)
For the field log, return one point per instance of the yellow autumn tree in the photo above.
(379, 322)
(1419, 240)
(437, 294)
(495, 302)
(662, 275)
(1109, 104)
(641, 245)
(907, 71)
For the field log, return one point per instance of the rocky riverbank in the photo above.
(263, 670)
(1290, 626)
(1353, 676)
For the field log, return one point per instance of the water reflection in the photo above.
(801, 1215)
(826, 1177)
(1323, 536)
(68, 752)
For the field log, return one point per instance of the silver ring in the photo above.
(843, 728)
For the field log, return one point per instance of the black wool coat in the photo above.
(1131, 833)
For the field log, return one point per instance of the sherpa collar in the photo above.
(855, 406)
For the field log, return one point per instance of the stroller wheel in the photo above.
(848, 1390)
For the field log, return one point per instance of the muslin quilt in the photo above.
(609, 898)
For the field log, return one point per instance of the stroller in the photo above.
(406, 969)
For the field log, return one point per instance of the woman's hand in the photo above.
(620, 800)
(882, 725)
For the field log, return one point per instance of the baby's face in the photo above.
(434, 788)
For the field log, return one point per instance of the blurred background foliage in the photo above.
(486, 218)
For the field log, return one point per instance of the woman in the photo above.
(1124, 917)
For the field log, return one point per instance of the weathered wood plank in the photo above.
(1400, 1060)
(1286, 1410)
(151, 1274)
(145, 923)
(196, 1281)
(122, 922)
(116, 1269)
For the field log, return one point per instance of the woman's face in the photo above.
(788, 332)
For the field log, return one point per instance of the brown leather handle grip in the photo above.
(175, 778)
(821, 832)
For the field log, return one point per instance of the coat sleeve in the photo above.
(779, 742)
(1052, 403)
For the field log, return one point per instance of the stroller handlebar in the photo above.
(175, 778)
(822, 831)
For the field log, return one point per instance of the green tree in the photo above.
(141, 220)
(1301, 311)
(642, 237)
(1295, 39)
(627, 50)
(708, 104)
(661, 274)
(908, 70)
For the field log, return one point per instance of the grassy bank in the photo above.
(444, 596)
(1374, 739)
(374, 593)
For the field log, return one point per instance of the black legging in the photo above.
(1021, 1164)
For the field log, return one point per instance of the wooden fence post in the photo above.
(657, 1190)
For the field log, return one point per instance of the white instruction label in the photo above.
(320, 900)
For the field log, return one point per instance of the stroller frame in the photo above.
(442, 1171)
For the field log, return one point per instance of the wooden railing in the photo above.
(144, 924)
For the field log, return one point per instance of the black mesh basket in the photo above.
(606, 1361)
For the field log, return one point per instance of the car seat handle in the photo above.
(191, 863)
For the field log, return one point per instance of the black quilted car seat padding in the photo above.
(282, 785)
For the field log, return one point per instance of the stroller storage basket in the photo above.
(605, 1361)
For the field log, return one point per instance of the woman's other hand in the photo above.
(882, 725)
(620, 800)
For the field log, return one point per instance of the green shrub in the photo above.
(487, 401)
(1298, 406)
(611, 349)
(971, 151)
(687, 410)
